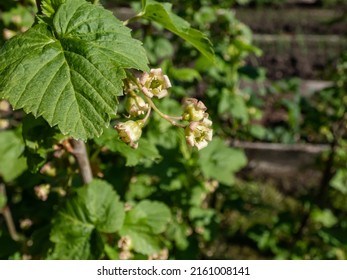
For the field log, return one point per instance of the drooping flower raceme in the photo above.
(194, 119)
(155, 83)
(130, 132)
(198, 134)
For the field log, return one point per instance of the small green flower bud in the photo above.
(155, 83)
(194, 110)
(136, 106)
(198, 134)
(130, 132)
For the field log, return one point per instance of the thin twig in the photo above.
(6, 212)
(164, 116)
(80, 153)
(321, 197)
(135, 18)
(39, 8)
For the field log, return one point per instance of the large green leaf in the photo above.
(220, 162)
(71, 72)
(12, 163)
(162, 14)
(76, 230)
(143, 223)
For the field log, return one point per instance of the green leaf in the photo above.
(76, 231)
(39, 139)
(179, 233)
(49, 7)
(203, 218)
(111, 252)
(146, 152)
(221, 162)
(142, 238)
(234, 105)
(12, 163)
(24, 12)
(143, 223)
(324, 216)
(71, 72)
(184, 74)
(140, 187)
(162, 14)
(156, 215)
(257, 131)
(339, 181)
(105, 210)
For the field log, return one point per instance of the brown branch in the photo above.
(321, 198)
(80, 152)
(39, 8)
(6, 212)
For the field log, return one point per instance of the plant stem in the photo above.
(80, 153)
(164, 116)
(6, 212)
(135, 18)
(39, 8)
(145, 119)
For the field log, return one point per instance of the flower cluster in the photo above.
(199, 131)
(197, 127)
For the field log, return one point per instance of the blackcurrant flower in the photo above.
(136, 106)
(130, 132)
(155, 83)
(194, 110)
(198, 134)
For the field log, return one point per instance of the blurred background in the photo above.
(273, 183)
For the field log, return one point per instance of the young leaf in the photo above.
(156, 215)
(95, 208)
(71, 72)
(161, 13)
(220, 162)
(142, 238)
(143, 223)
(12, 163)
(49, 7)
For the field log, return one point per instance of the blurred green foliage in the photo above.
(171, 201)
